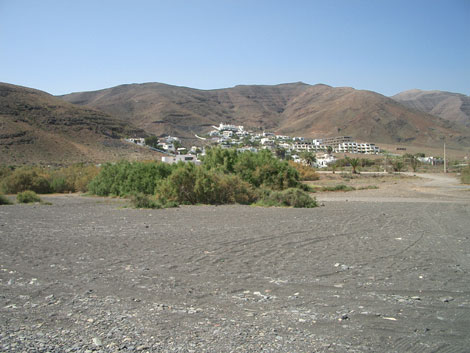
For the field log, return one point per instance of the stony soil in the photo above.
(88, 274)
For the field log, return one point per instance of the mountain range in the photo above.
(447, 105)
(89, 126)
(295, 109)
(36, 127)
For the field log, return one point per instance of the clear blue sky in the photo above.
(62, 46)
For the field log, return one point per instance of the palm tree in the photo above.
(354, 163)
(308, 157)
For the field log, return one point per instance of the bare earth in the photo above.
(385, 271)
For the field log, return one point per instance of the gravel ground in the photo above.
(88, 274)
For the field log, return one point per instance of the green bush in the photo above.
(73, 178)
(260, 169)
(26, 179)
(340, 187)
(28, 196)
(125, 178)
(140, 200)
(190, 184)
(4, 200)
(290, 197)
(465, 176)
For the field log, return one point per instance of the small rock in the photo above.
(447, 299)
(97, 341)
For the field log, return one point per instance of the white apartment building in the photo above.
(355, 147)
(186, 158)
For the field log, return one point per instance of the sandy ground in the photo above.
(385, 271)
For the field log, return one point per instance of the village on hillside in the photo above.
(285, 147)
(235, 136)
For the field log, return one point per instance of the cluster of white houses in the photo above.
(233, 136)
(227, 136)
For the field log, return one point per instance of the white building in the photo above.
(324, 160)
(171, 139)
(431, 160)
(354, 147)
(266, 141)
(137, 140)
(169, 147)
(186, 158)
(228, 127)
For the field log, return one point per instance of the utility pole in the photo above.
(445, 161)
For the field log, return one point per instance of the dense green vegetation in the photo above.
(224, 177)
(46, 180)
(126, 178)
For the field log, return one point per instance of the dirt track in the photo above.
(88, 274)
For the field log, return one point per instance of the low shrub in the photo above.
(140, 200)
(28, 196)
(26, 179)
(190, 184)
(4, 200)
(125, 178)
(291, 197)
(368, 187)
(74, 178)
(340, 187)
(260, 169)
(465, 176)
(306, 173)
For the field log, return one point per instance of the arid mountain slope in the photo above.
(447, 105)
(164, 109)
(326, 111)
(36, 127)
(295, 109)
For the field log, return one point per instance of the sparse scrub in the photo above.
(465, 176)
(140, 200)
(4, 200)
(26, 179)
(368, 187)
(339, 187)
(291, 197)
(28, 196)
(306, 173)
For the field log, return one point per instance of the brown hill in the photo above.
(447, 105)
(36, 127)
(295, 109)
(325, 111)
(163, 109)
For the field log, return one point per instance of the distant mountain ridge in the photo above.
(454, 107)
(293, 108)
(36, 127)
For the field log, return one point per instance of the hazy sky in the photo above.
(389, 46)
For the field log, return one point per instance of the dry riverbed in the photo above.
(89, 274)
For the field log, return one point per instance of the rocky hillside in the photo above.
(36, 127)
(295, 109)
(454, 107)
